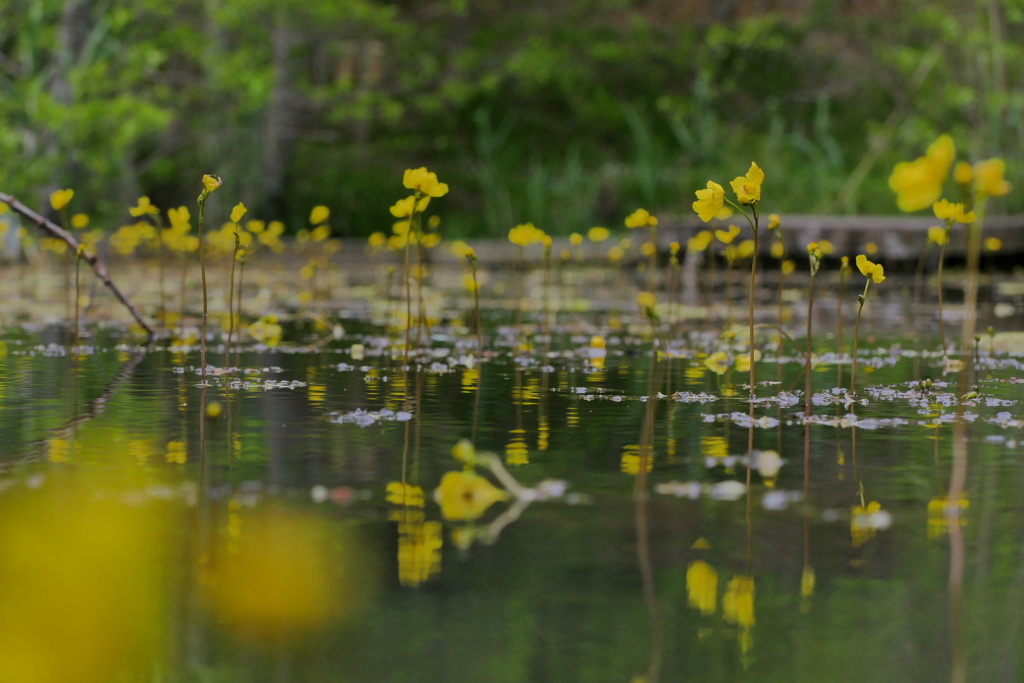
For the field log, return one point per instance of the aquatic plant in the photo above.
(874, 272)
(710, 202)
(236, 215)
(210, 184)
(951, 213)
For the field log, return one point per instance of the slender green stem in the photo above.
(942, 320)
(206, 310)
(231, 299)
(856, 339)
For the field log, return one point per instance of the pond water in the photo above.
(294, 534)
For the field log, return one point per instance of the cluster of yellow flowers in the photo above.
(918, 184)
(747, 188)
(526, 234)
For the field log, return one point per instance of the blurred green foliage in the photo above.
(566, 113)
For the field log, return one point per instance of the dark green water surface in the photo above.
(680, 576)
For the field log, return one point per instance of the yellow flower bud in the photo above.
(238, 212)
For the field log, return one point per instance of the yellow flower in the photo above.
(701, 241)
(964, 216)
(424, 181)
(702, 587)
(778, 250)
(709, 201)
(944, 209)
(319, 214)
(788, 267)
(826, 247)
(404, 208)
(641, 218)
(938, 235)
(598, 234)
(718, 362)
(875, 271)
(466, 496)
(143, 207)
(211, 182)
(673, 248)
(525, 234)
(80, 220)
(61, 198)
(745, 249)
(404, 494)
(993, 243)
(615, 254)
(238, 212)
(646, 301)
(727, 236)
(281, 575)
(774, 221)
(963, 174)
(871, 248)
(648, 249)
(918, 183)
(748, 187)
(989, 180)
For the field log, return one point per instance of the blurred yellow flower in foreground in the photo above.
(918, 183)
(80, 588)
(281, 574)
(702, 587)
(466, 496)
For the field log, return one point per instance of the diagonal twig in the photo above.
(101, 271)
